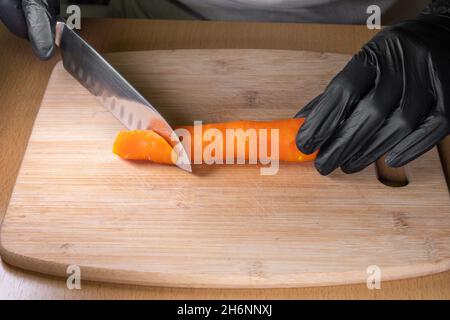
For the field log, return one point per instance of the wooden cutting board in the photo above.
(75, 203)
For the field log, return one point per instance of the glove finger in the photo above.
(41, 27)
(11, 14)
(413, 106)
(303, 113)
(384, 140)
(367, 118)
(341, 95)
(435, 128)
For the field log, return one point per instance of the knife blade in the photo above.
(86, 65)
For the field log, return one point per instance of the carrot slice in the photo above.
(148, 145)
(143, 145)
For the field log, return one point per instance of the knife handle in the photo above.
(60, 25)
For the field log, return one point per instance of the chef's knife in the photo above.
(87, 66)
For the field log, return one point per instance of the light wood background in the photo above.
(23, 82)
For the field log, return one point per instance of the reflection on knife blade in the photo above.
(113, 91)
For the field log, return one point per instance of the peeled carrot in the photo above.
(287, 132)
(143, 145)
(147, 145)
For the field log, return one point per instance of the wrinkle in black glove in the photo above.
(32, 19)
(392, 98)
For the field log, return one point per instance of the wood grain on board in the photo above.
(223, 226)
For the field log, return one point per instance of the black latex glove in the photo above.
(392, 98)
(32, 19)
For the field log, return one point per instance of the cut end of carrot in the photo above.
(144, 145)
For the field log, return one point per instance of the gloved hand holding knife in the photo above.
(87, 66)
(32, 19)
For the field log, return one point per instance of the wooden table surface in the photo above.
(22, 84)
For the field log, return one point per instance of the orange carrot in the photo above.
(147, 145)
(287, 129)
(143, 145)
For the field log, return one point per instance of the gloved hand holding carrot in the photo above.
(392, 98)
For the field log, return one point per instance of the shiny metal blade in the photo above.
(113, 91)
